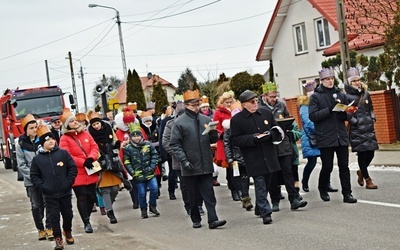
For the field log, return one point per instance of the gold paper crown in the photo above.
(65, 114)
(236, 105)
(81, 117)
(27, 119)
(91, 114)
(204, 99)
(146, 114)
(191, 95)
(42, 129)
(269, 87)
(132, 105)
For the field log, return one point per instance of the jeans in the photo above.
(142, 190)
(38, 207)
(342, 153)
(109, 194)
(261, 186)
(54, 207)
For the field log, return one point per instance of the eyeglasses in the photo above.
(253, 101)
(272, 96)
(56, 122)
(193, 104)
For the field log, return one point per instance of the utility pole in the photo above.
(121, 45)
(83, 87)
(344, 42)
(47, 72)
(73, 80)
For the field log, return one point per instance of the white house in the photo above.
(300, 35)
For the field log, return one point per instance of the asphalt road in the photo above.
(372, 223)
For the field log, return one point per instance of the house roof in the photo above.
(147, 82)
(327, 8)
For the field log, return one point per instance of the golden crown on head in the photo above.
(27, 119)
(81, 117)
(191, 94)
(146, 114)
(132, 105)
(178, 98)
(65, 114)
(204, 99)
(91, 114)
(42, 129)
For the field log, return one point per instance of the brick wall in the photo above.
(383, 109)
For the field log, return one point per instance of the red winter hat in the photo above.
(129, 116)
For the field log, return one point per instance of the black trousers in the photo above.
(54, 207)
(202, 184)
(364, 159)
(274, 191)
(342, 154)
(85, 199)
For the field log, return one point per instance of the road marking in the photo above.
(379, 203)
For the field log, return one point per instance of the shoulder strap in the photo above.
(79, 144)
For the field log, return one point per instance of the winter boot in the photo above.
(49, 234)
(103, 211)
(360, 179)
(110, 214)
(153, 210)
(68, 237)
(370, 184)
(42, 235)
(235, 195)
(246, 203)
(144, 213)
(59, 244)
(88, 226)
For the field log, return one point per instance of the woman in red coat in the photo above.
(84, 150)
(222, 112)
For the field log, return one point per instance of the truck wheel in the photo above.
(7, 163)
(13, 156)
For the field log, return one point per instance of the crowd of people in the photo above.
(255, 140)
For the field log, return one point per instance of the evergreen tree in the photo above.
(186, 82)
(240, 82)
(159, 97)
(258, 80)
(134, 90)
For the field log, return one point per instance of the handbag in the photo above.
(312, 138)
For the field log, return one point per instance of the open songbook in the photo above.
(340, 107)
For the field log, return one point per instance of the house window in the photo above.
(322, 33)
(300, 38)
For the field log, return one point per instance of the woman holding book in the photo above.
(84, 150)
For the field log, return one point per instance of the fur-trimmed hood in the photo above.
(226, 124)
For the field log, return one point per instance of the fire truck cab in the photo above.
(43, 103)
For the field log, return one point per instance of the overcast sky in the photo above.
(160, 36)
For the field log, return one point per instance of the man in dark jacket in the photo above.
(331, 133)
(53, 172)
(192, 149)
(56, 128)
(252, 131)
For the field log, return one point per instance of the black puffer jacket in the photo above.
(188, 144)
(362, 131)
(53, 172)
(330, 127)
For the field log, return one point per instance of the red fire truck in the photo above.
(42, 103)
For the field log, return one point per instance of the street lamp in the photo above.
(120, 34)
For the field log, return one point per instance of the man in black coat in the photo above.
(192, 149)
(331, 133)
(56, 128)
(253, 130)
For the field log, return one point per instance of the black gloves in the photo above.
(276, 136)
(117, 145)
(213, 135)
(187, 165)
(332, 106)
(88, 163)
(290, 135)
